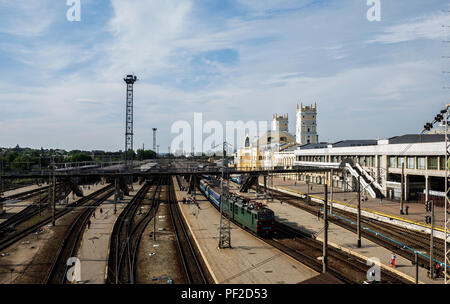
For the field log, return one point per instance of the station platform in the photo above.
(381, 207)
(339, 237)
(249, 261)
(93, 251)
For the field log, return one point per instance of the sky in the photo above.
(62, 84)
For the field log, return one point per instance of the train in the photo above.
(251, 215)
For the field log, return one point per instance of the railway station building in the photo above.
(420, 158)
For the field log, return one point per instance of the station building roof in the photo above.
(313, 146)
(354, 143)
(410, 144)
(417, 139)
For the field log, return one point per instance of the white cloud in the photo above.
(144, 33)
(428, 27)
(25, 17)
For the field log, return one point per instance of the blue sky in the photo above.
(61, 82)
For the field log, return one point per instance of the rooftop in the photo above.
(417, 139)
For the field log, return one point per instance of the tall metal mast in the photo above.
(129, 80)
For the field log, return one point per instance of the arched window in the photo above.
(247, 142)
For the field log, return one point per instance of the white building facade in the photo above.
(422, 156)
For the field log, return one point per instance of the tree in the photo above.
(78, 157)
(147, 154)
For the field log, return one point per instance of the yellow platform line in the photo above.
(368, 210)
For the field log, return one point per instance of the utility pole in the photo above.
(224, 229)
(129, 80)
(307, 188)
(53, 192)
(402, 188)
(325, 232)
(447, 199)
(432, 240)
(116, 194)
(359, 213)
(331, 185)
(154, 226)
(143, 150)
(416, 261)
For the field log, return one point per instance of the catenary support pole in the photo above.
(359, 213)
(325, 232)
(432, 241)
(416, 261)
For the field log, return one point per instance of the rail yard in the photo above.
(160, 229)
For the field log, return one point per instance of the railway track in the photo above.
(127, 234)
(29, 211)
(28, 194)
(31, 224)
(57, 273)
(305, 249)
(12, 187)
(192, 267)
(396, 239)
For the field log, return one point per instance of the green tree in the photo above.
(147, 154)
(78, 157)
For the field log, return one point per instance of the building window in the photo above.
(421, 163)
(410, 163)
(432, 163)
(442, 162)
(392, 163)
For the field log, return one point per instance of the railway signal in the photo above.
(428, 206)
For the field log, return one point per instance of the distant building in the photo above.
(280, 123)
(306, 128)
(259, 152)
